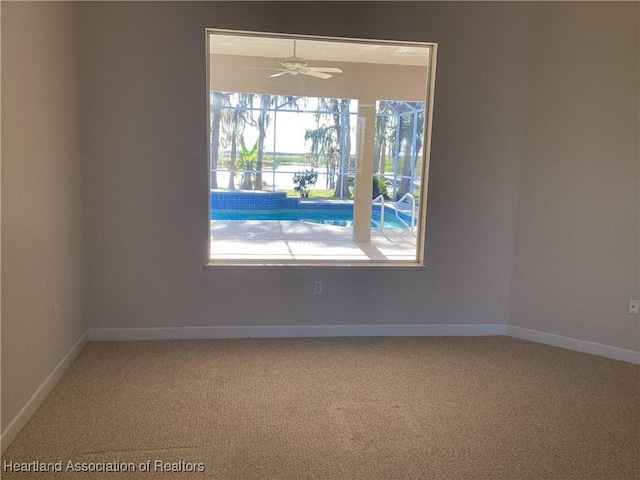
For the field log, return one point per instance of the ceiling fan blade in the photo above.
(315, 73)
(326, 70)
(260, 68)
(279, 74)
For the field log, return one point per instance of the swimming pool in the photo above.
(335, 217)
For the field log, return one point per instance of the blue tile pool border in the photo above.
(243, 200)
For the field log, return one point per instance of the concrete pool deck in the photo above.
(292, 240)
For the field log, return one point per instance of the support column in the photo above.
(365, 141)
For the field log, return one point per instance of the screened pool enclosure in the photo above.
(260, 141)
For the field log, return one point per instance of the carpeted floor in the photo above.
(340, 408)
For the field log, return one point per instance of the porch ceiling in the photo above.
(365, 51)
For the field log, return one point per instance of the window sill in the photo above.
(256, 263)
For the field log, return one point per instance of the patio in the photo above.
(268, 241)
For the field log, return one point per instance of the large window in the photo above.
(318, 149)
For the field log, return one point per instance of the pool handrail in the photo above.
(381, 198)
(413, 210)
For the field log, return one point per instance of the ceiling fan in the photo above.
(296, 65)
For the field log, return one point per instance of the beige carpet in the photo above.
(359, 408)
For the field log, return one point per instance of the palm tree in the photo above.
(247, 157)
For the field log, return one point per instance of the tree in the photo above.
(382, 136)
(323, 145)
(218, 99)
(333, 141)
(263, 123)
(233, 121)
(340, 109)
(229, 121)
(406, 125)
(267, 102)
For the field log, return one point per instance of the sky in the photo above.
(291, 127)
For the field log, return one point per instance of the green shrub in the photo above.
(304, 180)
(380, 187)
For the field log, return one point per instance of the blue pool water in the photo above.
(340, 218)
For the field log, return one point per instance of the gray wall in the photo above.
(42, 243)
(145, 110)
(576, 261)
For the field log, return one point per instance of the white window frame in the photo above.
(426, 157)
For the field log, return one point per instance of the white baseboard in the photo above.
(25, 413)
(404, 330)
(300, 331)
(615, 353)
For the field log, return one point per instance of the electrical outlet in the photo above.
(634, 306)
(317, 287)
